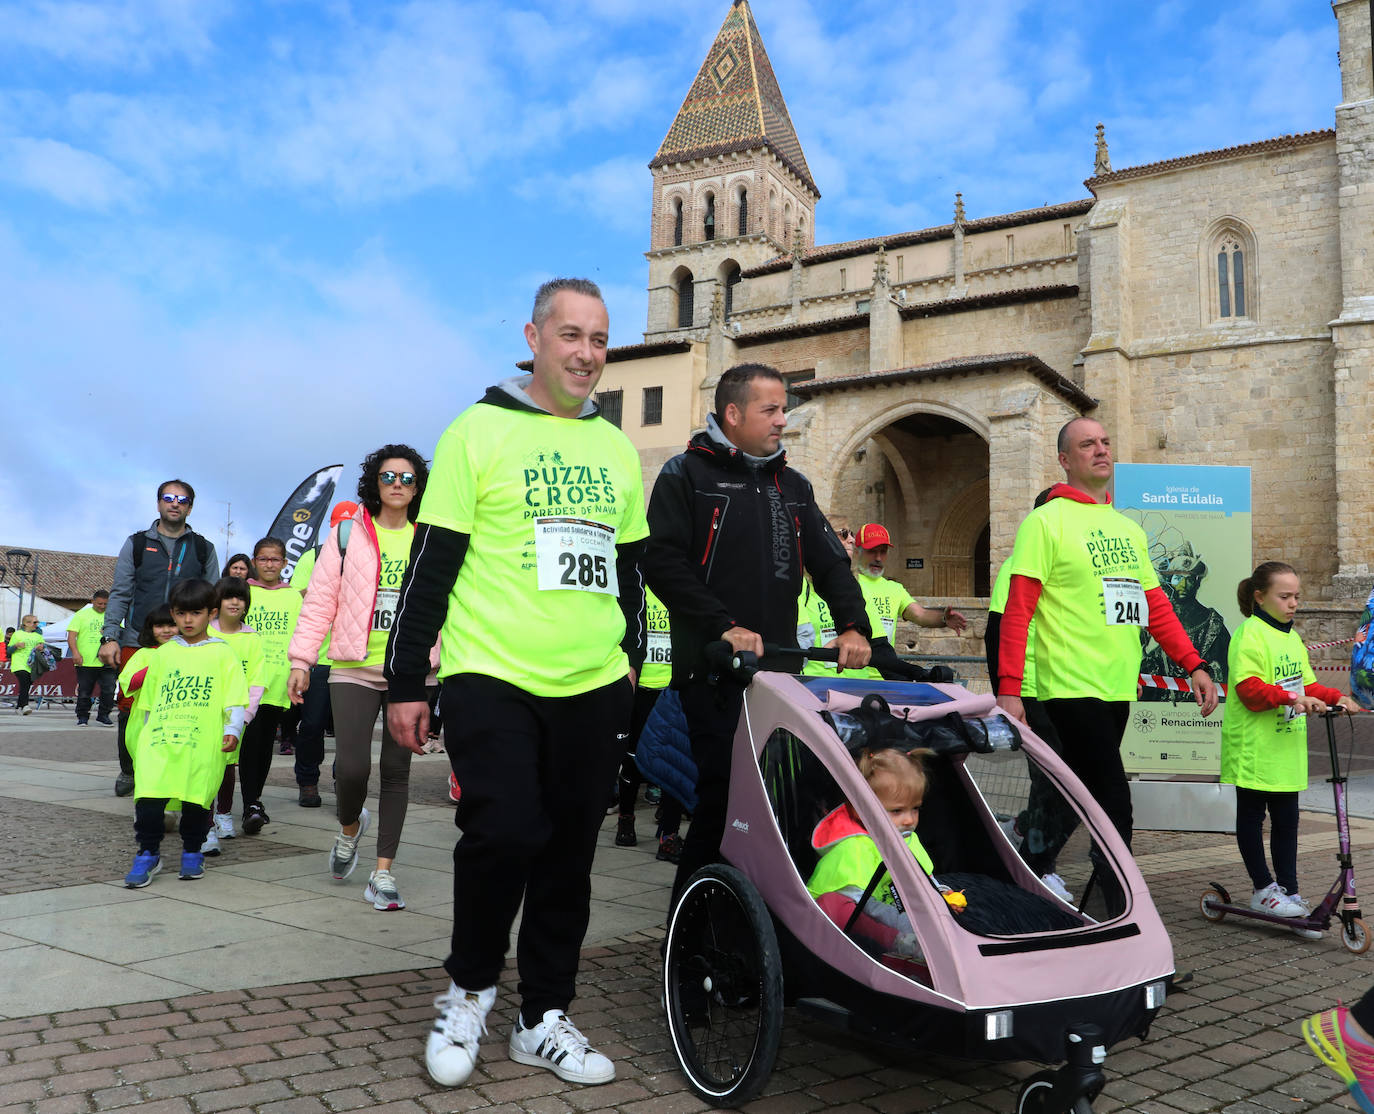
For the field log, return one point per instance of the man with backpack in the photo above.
(150, 562)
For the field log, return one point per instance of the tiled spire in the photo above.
(735, 103)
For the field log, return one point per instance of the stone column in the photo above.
(1353, 332)
(884, 321)
(1106, 364)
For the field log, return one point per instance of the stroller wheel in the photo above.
(1208, 903)
(1355, 936)
(1037, 1097)
(722, 975)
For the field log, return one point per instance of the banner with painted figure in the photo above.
(301, 516)
(1197, 524)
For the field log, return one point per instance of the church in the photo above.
(1215, 308)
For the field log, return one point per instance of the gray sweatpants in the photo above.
(355, 714)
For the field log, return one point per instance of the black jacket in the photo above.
(728, 539)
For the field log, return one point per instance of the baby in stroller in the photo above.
(851, 876)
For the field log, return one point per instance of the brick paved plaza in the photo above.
(268, 987)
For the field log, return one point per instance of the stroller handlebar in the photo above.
(743, 664)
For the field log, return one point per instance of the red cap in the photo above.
(871, 535)
(342, 509)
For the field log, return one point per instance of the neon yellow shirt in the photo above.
(189, 691)
(395, 556)
(852, 861)
(1265, 750)
(815, 627)
(273, 615)
(545, 501)
(885, 600)
(998, 602)
(247, 647)
(1081, 553)
(658, 662)
(87, 623)
(22, 643)
(141, 659)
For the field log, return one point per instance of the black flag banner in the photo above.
(299, 520)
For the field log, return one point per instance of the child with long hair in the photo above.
(1263, 734)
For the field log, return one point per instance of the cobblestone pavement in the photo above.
(1230, 1043)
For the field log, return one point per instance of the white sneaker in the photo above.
(211, 844)
(224, 825)
(1272, 899)
(451, 1050)
(28, 709)
(1055, 885)
(343, 856)
(381, 891)
(555, 1043)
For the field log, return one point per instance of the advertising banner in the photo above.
(300, 518)
(55, 684)
(1196, 520)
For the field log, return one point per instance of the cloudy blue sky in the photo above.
(239, 240)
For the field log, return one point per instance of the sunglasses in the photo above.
(180, 500)
(388, 478)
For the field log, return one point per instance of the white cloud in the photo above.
(124, 34)
(238, 399)
(72, 176)
(613, 193)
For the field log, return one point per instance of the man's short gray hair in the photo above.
(543, 299)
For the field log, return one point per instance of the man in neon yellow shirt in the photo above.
(83, 646)
(886, 600)
(526, 555)
(1082, 570)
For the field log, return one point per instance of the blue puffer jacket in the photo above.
(664, 751)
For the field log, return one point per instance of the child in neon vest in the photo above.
(192, 717)
(1263, 738)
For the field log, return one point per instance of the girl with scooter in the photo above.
(1264, 733)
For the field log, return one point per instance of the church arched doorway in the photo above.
(925, 476)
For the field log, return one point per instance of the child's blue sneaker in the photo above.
(146, 864)
(192, 865)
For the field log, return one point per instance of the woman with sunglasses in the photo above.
(354, 590)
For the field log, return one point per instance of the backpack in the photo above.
(136, 544)
(1362, 658)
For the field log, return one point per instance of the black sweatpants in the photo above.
(1251, 805)
(255, 753)
(1048, 820)
(1090, 732)
(149, 828)
(712, 713)
(534, 772)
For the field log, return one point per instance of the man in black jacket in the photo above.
(730, 530)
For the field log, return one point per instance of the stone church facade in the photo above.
(1216, 308)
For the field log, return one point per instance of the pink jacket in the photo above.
(340, 602)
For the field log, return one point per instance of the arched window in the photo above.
(709, 223)
(1228, 265)
(801, 230)
(787, 224)
(677, 222)
(686, 290)
(1230, 278)
(743, 212)
(773, 213)
(730, 278)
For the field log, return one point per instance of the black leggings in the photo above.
(25, 679)
(1090, 732)
(149, 826)
(1283, 836)
(255, 752)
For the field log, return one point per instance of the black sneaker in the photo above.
(253, 819)
(625, 832)
(310, 796)
(670, 848)
(124, 785)
(104, 721)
